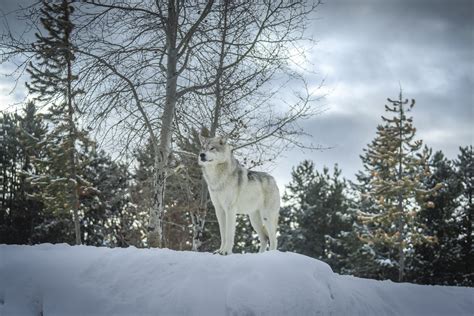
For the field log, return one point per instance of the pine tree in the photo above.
(317, 214)
(294, 199)
(437, 262)
(397, 168)
(51, 82)
(465, 213)
(9, 178)
(108, 216)
(19, 213)
(8, 160)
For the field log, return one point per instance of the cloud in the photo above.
(366, 50)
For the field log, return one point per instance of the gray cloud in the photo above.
(366, 48)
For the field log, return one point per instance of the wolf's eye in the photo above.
(212, 148)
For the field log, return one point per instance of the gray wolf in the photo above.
(236, 190)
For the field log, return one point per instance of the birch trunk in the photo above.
(199, 218)
(162, 152)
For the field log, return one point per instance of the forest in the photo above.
(104, 151)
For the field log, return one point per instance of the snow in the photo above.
(80, 280)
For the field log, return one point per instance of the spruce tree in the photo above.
(438, 262)
(52, 83)
(465, 216)
(396, 169)
(317, 214)
(20, 215)
(9, 177)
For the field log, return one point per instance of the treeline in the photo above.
(353, 226)
(35, 202)
(408, 217)
(114, 197)
(322, 220)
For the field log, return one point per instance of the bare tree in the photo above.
(157, 70)
(250, 46)
(158, 49)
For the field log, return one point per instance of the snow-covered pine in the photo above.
(397, 167)
(465, 171)
(449, 259)
(51, 83)
(317, 215)
(19, 212)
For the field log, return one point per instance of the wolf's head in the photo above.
(214, 150)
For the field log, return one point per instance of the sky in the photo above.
(366, 50)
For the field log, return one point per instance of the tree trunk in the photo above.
(162, 152)
(401, 254)
(199, 218)
(72, 137)
(470, 220)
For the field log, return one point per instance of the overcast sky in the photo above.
(366, 49)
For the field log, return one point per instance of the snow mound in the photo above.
(79, 280)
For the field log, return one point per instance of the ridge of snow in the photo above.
(83, 280)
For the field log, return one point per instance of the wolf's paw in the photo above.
(222, 252)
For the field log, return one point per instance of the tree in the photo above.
(203, 66)
(110, 217)
(397, 168)
(465, 172)
(51, 81)
(317, 214)
(246, 52)
(19, 213)
(438, 262)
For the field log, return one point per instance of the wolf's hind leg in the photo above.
(271, 224)
(257, 224)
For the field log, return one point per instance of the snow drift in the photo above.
(81, 280)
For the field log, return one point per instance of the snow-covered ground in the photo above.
(63, 280)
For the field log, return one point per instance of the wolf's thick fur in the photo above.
(237, 190)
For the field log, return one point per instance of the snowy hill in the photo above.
(65, 280)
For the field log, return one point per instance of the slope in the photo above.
(81, 280)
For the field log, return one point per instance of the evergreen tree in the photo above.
(19, 213)
(317, 214)
(291, 236)
(52, 82)
(438, 262)
(362, 259)
(108, 214)
(465, 212)
(397, 168)
(179, 200)
(10, 180)
(31, 132)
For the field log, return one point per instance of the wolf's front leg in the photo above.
(230, 221)
(221, 220)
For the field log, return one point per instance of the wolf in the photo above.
(236, 190)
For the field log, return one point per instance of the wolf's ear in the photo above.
(223, 140)
(202, 139)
